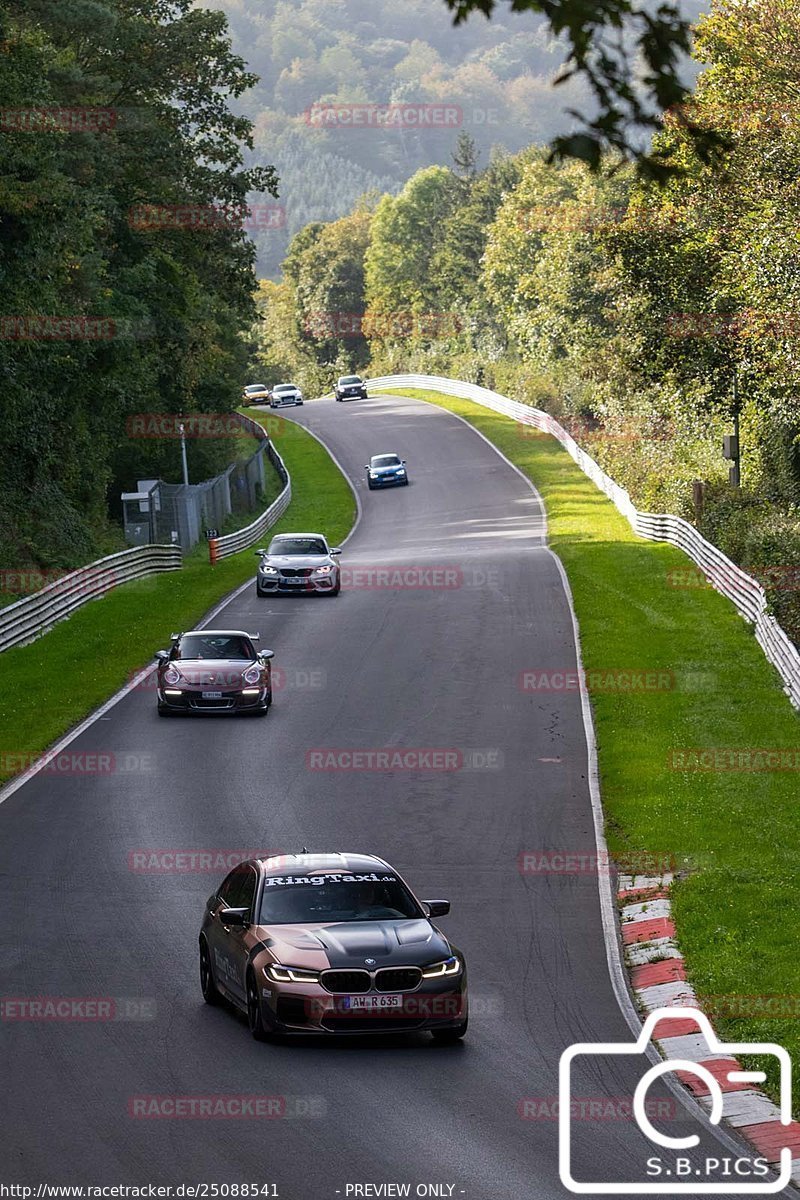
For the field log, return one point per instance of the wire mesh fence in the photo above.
(178, 514)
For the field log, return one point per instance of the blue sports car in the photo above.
(386, 470)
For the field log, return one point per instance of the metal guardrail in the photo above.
(731, 581)
(230, 543)
(28, 618)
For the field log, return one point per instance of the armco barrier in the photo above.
(740, 588)
(32, 616)
(242, 538)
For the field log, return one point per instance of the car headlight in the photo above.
(449, 966)
(267, 570)
(401, 470)
(323, 570)
(252, 675)
(373, 474)
(172, 676)
(280, 974)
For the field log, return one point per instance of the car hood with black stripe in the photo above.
(348, 944)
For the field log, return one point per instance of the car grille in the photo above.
(397, 979)
(346, 981)
(295, 572)
(370, 1024)
(226, 701)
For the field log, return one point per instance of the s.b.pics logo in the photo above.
(674, 1163)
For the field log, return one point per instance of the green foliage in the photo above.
(174, 300)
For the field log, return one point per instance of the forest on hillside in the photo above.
(638, 314)
(313, 55)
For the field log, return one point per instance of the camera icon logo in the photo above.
(639, 1048)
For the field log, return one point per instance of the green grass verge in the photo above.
(54, 682)
(737, 907)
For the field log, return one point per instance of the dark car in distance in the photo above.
(350, 387)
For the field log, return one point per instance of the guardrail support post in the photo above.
(212, 551)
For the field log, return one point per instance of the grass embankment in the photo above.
(737, 907)
(50, 685)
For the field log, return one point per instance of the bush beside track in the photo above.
(731, 833)
(56, 681)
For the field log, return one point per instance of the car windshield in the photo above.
(350, 379)
(328, 897)
(384, 460)
(214, 645)
(297, 545)
(285, 387)
(255, 387)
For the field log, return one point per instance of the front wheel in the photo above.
(255, 1018)
(207, 985)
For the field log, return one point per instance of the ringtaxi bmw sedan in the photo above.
(331, 944)
(213, 671)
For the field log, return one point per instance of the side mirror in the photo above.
(258, 552)
(234, 918)
(366, 466)
(162, 655)
(437, 908)
(266, 655)
(335, 550)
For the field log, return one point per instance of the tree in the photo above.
(173, 299)
(465, 156)
(605, 39)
